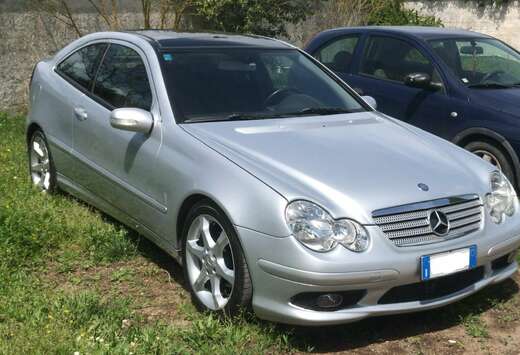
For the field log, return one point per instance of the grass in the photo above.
(40, 232)
(73, 280)
(475, 326)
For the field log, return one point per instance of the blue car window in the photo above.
(338, 53)
(480, 62)
(393, 59)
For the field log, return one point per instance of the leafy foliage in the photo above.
(393, 12)
(266, 17)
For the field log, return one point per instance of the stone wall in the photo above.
(27, 37)
(502, 22)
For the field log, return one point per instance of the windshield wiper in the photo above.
(490, 86)
(320, 111)
(249, 116)
(231, 117)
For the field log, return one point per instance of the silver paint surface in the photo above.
(350, 164)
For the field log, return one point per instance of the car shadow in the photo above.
(353, 335)
(156, 255)
(387, 328)
(366, 332)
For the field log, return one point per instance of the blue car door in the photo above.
(379, 68)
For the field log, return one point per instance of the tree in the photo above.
(108, 10)
(60, 10)
(263, 17)
(172, 12)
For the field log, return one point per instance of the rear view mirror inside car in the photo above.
(471, 50)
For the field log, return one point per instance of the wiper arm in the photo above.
(231, 117)
(490, 86)
(322, 111)
(249, 116)
(241, 116)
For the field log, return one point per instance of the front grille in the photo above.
(432, 289)
(409, 225)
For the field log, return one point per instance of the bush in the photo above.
(393, 12)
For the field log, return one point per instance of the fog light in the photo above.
(329, 300)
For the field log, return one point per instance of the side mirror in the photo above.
(132, 119)
(359, 91)
(371, 101)
(418, 80)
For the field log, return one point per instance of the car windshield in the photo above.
(238, 84)
(480, 62)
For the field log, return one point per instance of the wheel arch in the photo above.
(33, 127)
(480, 133)
(185, 208)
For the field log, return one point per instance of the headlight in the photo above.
(501, 201)
(317, 230)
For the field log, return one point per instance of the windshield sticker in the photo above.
(167, 57)
(464, 80)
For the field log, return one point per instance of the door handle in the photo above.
(80, 114)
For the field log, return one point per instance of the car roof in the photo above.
(172, 39)
(421, 32)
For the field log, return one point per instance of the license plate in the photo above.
(442, 264)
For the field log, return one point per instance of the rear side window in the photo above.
(393, 59)
(337, 54)
(122, 80)
(81, 66)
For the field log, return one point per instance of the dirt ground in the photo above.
(486, 323)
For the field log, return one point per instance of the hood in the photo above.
(504, 100)
(349, 164)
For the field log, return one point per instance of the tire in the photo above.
(494, 155)
(41, 166)
(215, 270)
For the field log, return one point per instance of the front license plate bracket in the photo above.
(447, 263)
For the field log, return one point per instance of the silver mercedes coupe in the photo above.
(274, 184)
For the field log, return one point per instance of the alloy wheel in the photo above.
(210, 263)
(40, 163)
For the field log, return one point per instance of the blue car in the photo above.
(460, 85)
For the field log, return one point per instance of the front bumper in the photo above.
(282, 268)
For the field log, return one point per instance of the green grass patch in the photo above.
(475, 326)
(36, 317)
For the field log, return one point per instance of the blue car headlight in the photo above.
(501, 201)
(314, 227)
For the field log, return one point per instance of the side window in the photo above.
(81, 65)
(122, 80)
(337, 54)
(393, 59)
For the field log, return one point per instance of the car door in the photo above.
(385, 62)
(117, 166)
(76, 75)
